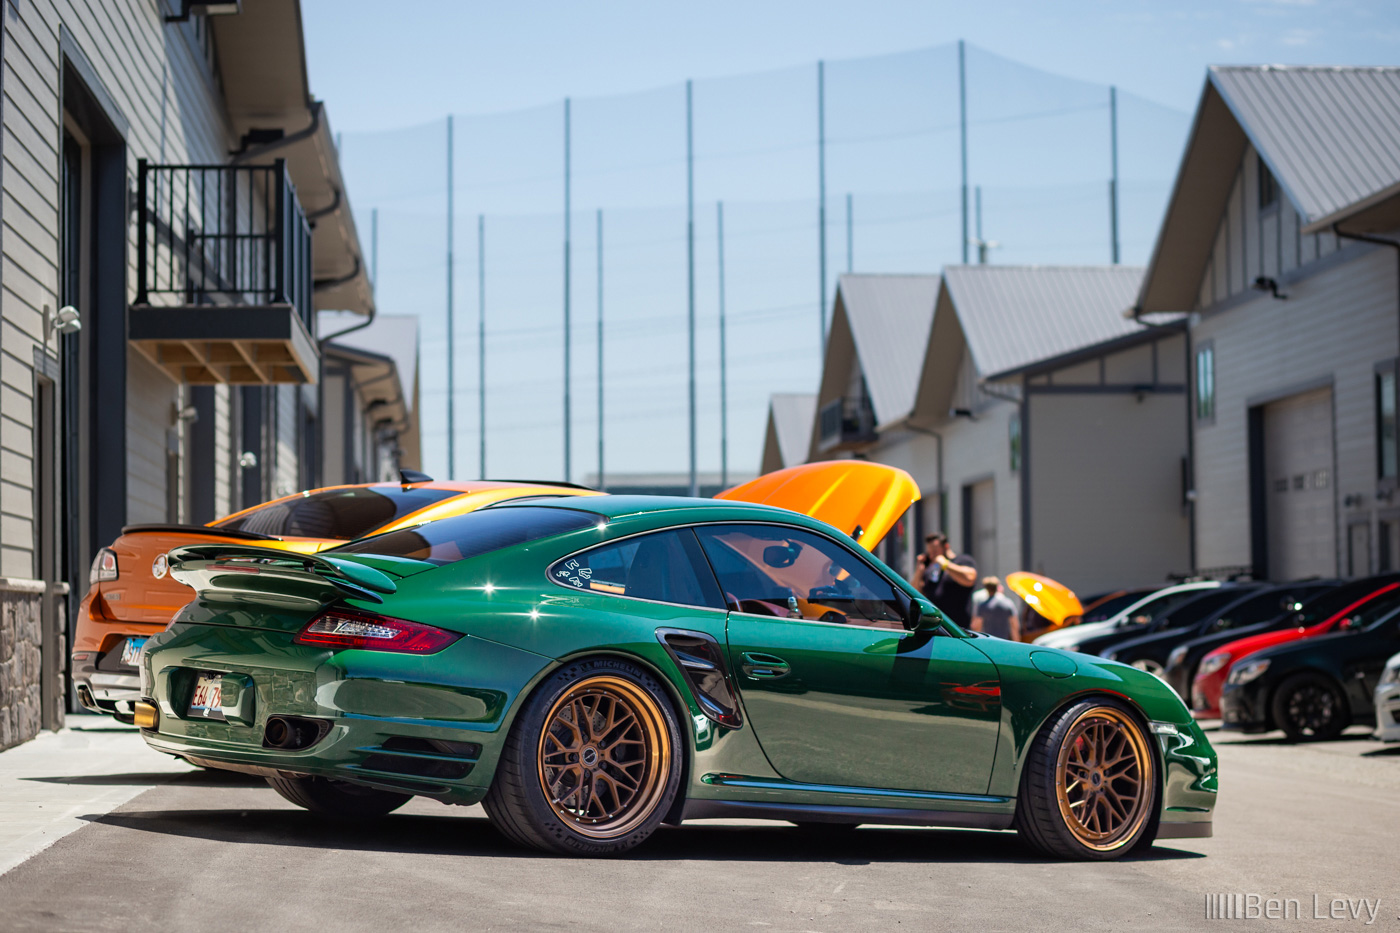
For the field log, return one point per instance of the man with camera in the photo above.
(946, 579)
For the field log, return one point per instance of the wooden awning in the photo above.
(229, 345)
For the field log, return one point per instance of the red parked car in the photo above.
(1215, 666)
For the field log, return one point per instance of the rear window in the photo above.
(343, 514)
(460, 537)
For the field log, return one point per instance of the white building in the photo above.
(1288, 175)
(1045, 427)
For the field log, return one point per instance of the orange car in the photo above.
(131, 596)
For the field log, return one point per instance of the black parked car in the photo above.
(1186, 658)
(1179, 616)
(1150, 652)
(1314, 688)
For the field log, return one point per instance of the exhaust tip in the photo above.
(293, 733)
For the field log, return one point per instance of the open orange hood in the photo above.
(861, 498)
(1050, 598)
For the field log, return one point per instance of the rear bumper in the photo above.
(422, 725)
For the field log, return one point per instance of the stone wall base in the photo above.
(21, 638)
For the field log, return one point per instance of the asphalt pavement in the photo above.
(210, 851)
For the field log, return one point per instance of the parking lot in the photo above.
(203, 848)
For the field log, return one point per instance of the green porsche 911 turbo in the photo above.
(589, 668)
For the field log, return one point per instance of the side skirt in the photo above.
(818, 813)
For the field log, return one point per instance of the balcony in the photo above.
(223, 275)
(846, 424)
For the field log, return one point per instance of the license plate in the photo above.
(131, 651)
(207, 702)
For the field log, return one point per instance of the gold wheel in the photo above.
(1104, 778)
(604, 756)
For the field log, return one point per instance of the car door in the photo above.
(835, 689)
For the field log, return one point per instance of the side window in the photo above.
(665, 567)
(787, 572)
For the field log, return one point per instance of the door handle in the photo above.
(763, 666)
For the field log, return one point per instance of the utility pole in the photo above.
(451, 341)
(962, 124)
(690, 254)
(600, 348)
(821, 198)
(1113, 181)
(850, 237)
(568, 476)
(481, 335)
(723, 373)
(374, 249)
(981, 243)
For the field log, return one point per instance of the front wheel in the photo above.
(1089, 784)
(1150, 665)
(592, 764)
(1310, 708)
(339, 799)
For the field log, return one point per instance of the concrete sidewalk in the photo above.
(49, 784)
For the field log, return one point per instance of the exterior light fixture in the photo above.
(190, 8)
(1266, 284)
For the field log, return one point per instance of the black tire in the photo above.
(518, 803)
(1045, 811)
(1310, 707)
(339, 799)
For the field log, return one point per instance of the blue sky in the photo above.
(1037, 101)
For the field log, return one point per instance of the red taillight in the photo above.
(342, 629)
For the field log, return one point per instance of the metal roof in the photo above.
(1014, 316)
(890, 317)
(1331, 136)
(791, 415)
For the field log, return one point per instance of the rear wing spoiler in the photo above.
(246, 574)
(204, 530)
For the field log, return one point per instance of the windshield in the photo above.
(1160, 605)
(463, 536)
(1197, 609)
(1325, 606)
(339, 514)
(1112, 606)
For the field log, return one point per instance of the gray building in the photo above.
(789, 430)
(1269, 242)
(173, 218)
(1045, 427)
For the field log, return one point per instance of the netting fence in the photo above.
(889, 131)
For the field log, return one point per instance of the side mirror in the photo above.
(911, 609)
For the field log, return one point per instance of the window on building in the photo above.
(1205, 382)
(1387, 454)
(1268, 187)
(1015, 441)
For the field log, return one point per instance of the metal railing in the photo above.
(848, 420)
(222, 235)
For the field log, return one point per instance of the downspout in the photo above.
(247, 155)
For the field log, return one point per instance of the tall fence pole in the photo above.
(568, 475)
(962, 134)
(600, 348)
(481, 337)
(981, 243)
(821, 186)
(1113, 181)
(690, 259)
(451, 339)
(850, 237)
(374, 250)
(723, 371)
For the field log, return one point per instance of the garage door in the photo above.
(1298, 473)
(980, 516)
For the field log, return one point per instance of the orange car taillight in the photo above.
(104, 566)
(342, 629)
